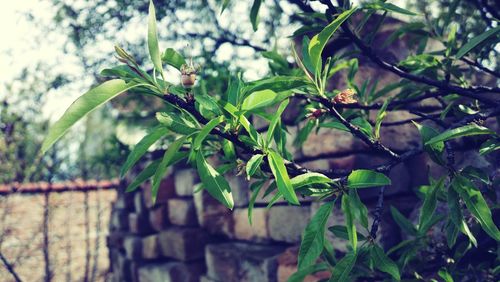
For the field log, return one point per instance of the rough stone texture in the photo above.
(158, 218)
(150, 247)
(133, 247)
(185, 180)
(182, 212)
(239, 189)
(327, 141)
(115, 239)
(279, 225)
(255, 232)
(139, 204)
(165, 191)
(183, 243)
(171, 271)
(212, 216)
(119, 219)
(139, 223)
(240, 262)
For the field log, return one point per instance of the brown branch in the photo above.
(10, 268)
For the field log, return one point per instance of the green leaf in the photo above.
(282, 179)
(489, 146)
(173, 58)
(363, 178)
(198, 140)
(300, 275)
(476, 41)
(253, 164)
(388, 7)
(403, 222)
(276, 118)
(154, 50)
(457, 217)
(275, 83)
(213, 182)
(208, 103)
(476, 205)
(349, 222)
(443, 273)
(167, 160)
(309, 178)
(380, 117)
(434, 150)
(341, 232)
(143, 176)
(383, 263)
(243, 121)
(254, 14)
(255, 188)
(343, 268)
(142, 147)
(224, 5)
(176, 123)
(258, 99)
(429, 205)
(318, 42)
(82, 106)
(467, 130)
(359, 209)
(314, 237)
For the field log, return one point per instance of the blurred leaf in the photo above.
(476, 41)
(445, 275)
(258, 99)
(388, 7)
(489, 146)
(300, 275)
(380, 117)
(403, 222)
(254, 14)
(359, 209)
(225, 3)
(314, 236)
(173, 58)
(343, 268)
(253, 164)
(143, 176)
(255, 188)
(383, 263)
(276, 84)
(142, 147)
(176, 123)
(154, 50)
(275, 120)
(341, 232)
(318, 42)
(309, 178)
(213, 182)
(434, 150)
(349, 222)
(282, 179)
(84, 105)
(476, 205)
(429, 205)
(363, 178)
(467, 130)
(164, 164)
(198, 140)
(457, 217)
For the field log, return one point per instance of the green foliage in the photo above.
(216, 119)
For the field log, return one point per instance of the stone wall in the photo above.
(189, 236)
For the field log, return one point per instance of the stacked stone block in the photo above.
(188, 236)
